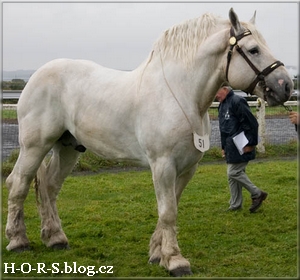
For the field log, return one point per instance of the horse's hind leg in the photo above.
(48, 183)
(18, 183)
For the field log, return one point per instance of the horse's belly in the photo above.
(113, 152)
(114, 142)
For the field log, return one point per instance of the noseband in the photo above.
(233, 41)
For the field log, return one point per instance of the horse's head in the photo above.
(251, 67)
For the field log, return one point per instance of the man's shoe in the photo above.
(232, 209)
(256, 202)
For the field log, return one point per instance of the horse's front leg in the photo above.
(163, 244)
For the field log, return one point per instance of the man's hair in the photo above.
(226, 85)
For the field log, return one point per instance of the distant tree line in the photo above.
(14, 84)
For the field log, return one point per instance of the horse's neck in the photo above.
(210, 68)
(206, 92)
(194, 87)
(198, 84)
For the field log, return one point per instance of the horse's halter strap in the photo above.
(233, 41)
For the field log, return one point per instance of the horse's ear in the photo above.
(235, 21)
(252, 20)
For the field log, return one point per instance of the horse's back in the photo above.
(66, 84)
(59, 74)
(96, 104)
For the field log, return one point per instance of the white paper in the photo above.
(201, 142)
(240, 141)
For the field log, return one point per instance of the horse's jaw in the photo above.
(275, 93)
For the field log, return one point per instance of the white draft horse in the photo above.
(148, 116)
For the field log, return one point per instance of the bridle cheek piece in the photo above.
(233, 41)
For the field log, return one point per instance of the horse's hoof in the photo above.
(154, 261)
(60, 246)
(21, 249)
(181, 271)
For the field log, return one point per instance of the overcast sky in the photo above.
(121, 35)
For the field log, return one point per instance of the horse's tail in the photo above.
(45, 193)
(40, 175)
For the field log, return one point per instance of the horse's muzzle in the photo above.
(277, 93)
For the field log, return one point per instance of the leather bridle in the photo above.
(233, 41)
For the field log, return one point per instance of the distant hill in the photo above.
(17, 74)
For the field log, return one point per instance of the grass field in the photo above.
(109, 219)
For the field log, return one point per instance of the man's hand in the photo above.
(223, 153)
(248, 149)
(294, 117)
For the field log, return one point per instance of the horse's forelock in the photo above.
(181, 41)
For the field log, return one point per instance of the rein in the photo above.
(233, 41)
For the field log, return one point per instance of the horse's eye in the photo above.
(254, 51)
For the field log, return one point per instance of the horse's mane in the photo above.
(181, 41)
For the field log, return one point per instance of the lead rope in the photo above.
(289, 109)
(170, 89)
(201, 143)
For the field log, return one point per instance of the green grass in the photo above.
(9, 115)
(92, 163)
(109, 219)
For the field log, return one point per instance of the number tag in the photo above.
(201, 142)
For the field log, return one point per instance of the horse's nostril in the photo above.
(288, 91)
(287, 88)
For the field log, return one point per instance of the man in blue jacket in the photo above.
(235, 117)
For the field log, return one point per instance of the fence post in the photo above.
(260, 114)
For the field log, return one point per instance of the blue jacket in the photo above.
(235, 116)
